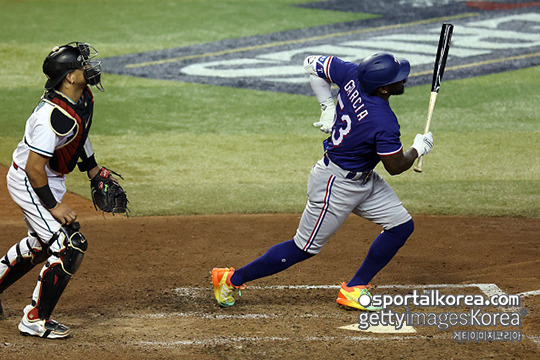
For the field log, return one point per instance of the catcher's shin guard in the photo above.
(20, 259)
(67, 254)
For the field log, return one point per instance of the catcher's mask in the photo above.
(64, 59)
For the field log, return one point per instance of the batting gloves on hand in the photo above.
(423, 143)
(328, 113)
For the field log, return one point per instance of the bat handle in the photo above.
(418, 167)
(432, 100)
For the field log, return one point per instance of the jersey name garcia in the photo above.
(365, 127)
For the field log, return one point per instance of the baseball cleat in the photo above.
(223, 289)
(357, 297)
(49, 329)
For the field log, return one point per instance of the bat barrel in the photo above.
(438, 71)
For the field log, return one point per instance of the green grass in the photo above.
(197, 149)
(29, 29)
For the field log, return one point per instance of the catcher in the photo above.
(55, 141)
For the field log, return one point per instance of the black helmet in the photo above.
(64, 59)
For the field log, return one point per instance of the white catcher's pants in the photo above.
(39, 221)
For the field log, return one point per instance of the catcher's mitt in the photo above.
(107, 194)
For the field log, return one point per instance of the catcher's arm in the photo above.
(35, 170)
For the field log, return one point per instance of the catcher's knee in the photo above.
(67, 251)
(20, 259)
(70, 247)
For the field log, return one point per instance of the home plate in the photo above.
(381, 329)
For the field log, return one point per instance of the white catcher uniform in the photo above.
(55, 141)
(41, 138)
(57, 129)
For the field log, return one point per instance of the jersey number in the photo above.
(339, 133)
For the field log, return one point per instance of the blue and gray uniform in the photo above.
(362, 129)
(343, 181)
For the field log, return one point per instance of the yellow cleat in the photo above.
(357, 297)
(223, 289)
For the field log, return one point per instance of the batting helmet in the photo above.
(381, 69)
(64, 59)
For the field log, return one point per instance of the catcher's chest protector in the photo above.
(65, 118)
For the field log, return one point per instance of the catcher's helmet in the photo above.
(381, 69)
(64, 59)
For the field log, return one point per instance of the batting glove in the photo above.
(328, 115)
(423, 143)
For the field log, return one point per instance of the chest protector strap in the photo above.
(64, 120)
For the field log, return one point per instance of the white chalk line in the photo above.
(240, 339)
(487, 289)
(198, 314)
(202, 315)
(529, 293)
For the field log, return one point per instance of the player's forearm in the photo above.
(37, 176)
(37, 179)
(400, 162)
(321, 88)
(35, 170)
(39, 182)
(408, 159)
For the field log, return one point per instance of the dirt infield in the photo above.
(144, 292)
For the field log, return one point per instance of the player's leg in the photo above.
(20, 259)
(67, 250)
(278, 258)
(329, 204)
(331, 199)
(384, 208)
(320, 220)
(382, 250)
(30, 251)
(51, 282)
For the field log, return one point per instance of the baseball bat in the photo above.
(438, 70)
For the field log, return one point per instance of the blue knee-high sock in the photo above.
(383, 249)
(278, 258)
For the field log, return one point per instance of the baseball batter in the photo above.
(363, 131)
(55, 141)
